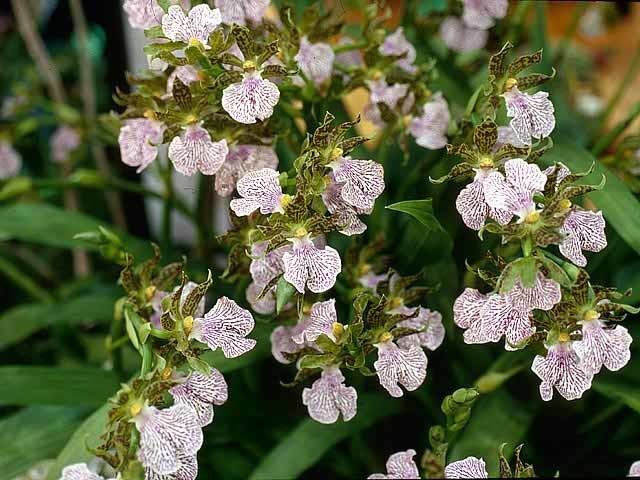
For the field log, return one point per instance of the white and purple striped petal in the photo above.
(459, 37)
(603, 346)
(196, 25)
(187, 75)
(397, 44)
(200, 392)
(143, 14)
(266, 305)
(429, 323)
(532, 116)
(194, 151)
(329, 397)
(561, 369)
(321, 319)
(242, 12)
(470, 467)
(584, 230)
(399, 466)
(362, 181)
(312, 267)
(542, 295)
(225, 326)
(316, 61)
(430, 127)
(396, 366)
(264, 266)
(258, 189)
(240, 160)
(250, 100)
(139, 139)
(79, 471)
(10, 161)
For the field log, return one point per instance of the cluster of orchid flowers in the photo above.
(537, 296)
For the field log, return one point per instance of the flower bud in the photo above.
(149, 292)
(166, 373)
(510, 83)
(188, 324)
(337, 329)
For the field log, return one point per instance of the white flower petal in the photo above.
(471, 206)
(79, 471)
(561, 369)
(63, 142)
(603, 346)
(194, 151)
(282, 342)
(143, 14)
(499, 317)
(459, 37)
(317, 268)
(584, 230)
(634, 470)
(265, 305)
(242, 11)
(531, 115)
(400, 465)
(166, 436)
(470, 467)
(398, 366)
(481, 13)
(467, 307)
(240, 160)
(188, 470)
(187, 75)
(10, 161)
(430, 322)
(397, 44)
(543, 295)
(139, 139)
(363, 181)
(430, 128)
(197, 25)
(260, 189)
(315, 60)
(200, 392)
(250, 100)
(321, 318)
(328, 397)
(225, 326)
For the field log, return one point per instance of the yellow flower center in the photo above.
(191, 118)
(194, 42)
(510, 83)
(149, 292)
(337, 329)
(376, 74)
(564, 337)
(385, 337)
(565, 204)
(532, 217)
(335, 154)
(590, 315)
(300, 232)
(135, 408)
(166, 373)
(486, 162)
(406, 120)
(364, 269)
(149, 115)
(188, 324)
(396, 302)
(248, 65)
(306, 309)
(285, 200)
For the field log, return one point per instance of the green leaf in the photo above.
(301, 448)
(75, 450)
(496, 419)
(261, 334)
(34, 434)
(421, 210)
(19, 322)
(284, 292)
(55, 227)
(619, 388)
(425, 7)
(26, 385)
(617, 202)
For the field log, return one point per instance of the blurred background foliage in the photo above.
(54, 354)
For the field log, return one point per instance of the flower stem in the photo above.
(165, 239)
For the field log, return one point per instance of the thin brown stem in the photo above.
(87, 80)
(53, 82)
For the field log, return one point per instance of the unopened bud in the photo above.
(166, 373)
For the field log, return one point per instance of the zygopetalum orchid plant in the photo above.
(229, 80)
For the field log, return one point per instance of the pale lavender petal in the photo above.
(315, 60)
(561, 368)
(400, 465)
(201, 392)
(139, 139)
(328, 397)
(194, 151)
(363, 181)
(240, 160)
(143, 14)
(64, 141)
(197, 25)
(542, 295)
(264, 266)
(398, 366)
(382, 92)
(225, 326)
(506, 136)
(371, 280)
(634, 470)
(166, 436)
(525, 178)
(321, 318)
(471, 205)
(459, 37)
(259, 189)
(10, 161)
(250, 100)
(345, 215)
(188, 470)
(187, 75)
(430, 128)
(603, 346)
(482, 13)
(282, 342)
(79, 471)
(432, 334)
(584, 230)
(499, 317)
(317, 268)
(467, 307)
(265, 305)
(532, 116)
(242, 11)
(397, 44)
(470, 467)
